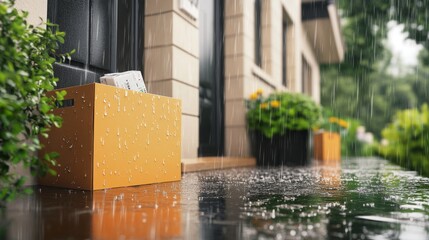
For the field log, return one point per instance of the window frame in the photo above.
(285, 28)
(258, 32)
(307, 75)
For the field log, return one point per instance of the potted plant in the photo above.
(26, 74)
(280, 126)
(327, 140)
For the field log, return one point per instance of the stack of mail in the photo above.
(131, 80)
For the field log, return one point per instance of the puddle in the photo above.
(361, 199)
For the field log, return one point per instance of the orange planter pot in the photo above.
(327, 146)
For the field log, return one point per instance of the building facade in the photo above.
(210, 54)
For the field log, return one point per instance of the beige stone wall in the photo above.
(171, 63)
(36, 9)
(239, 80)
(243, 76)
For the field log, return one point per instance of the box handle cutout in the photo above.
(64, 103)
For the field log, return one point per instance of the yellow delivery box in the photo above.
(113, 137)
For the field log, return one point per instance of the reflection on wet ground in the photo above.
(362, 199)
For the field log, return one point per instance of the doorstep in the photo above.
(215, 163)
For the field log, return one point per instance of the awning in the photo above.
(322, 25)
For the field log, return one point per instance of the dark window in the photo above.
(258, 32)
(306, 77)
(107, 36)
(284, 54)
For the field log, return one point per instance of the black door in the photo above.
(211, 78)
(107, 36)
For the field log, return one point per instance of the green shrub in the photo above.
(280, 112)
(408, 139)
(26, 73)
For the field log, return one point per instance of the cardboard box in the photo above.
(113, 137)
(327, 146)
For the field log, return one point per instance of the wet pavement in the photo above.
(364, 198)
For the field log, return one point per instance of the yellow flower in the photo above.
(333, 120)
(264, 105)
(343, 123)
(259, 92)
(254, 96)
(275, 104)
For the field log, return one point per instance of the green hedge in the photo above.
(26, 74)
(408, 139)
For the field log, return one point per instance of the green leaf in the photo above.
(26, 75)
